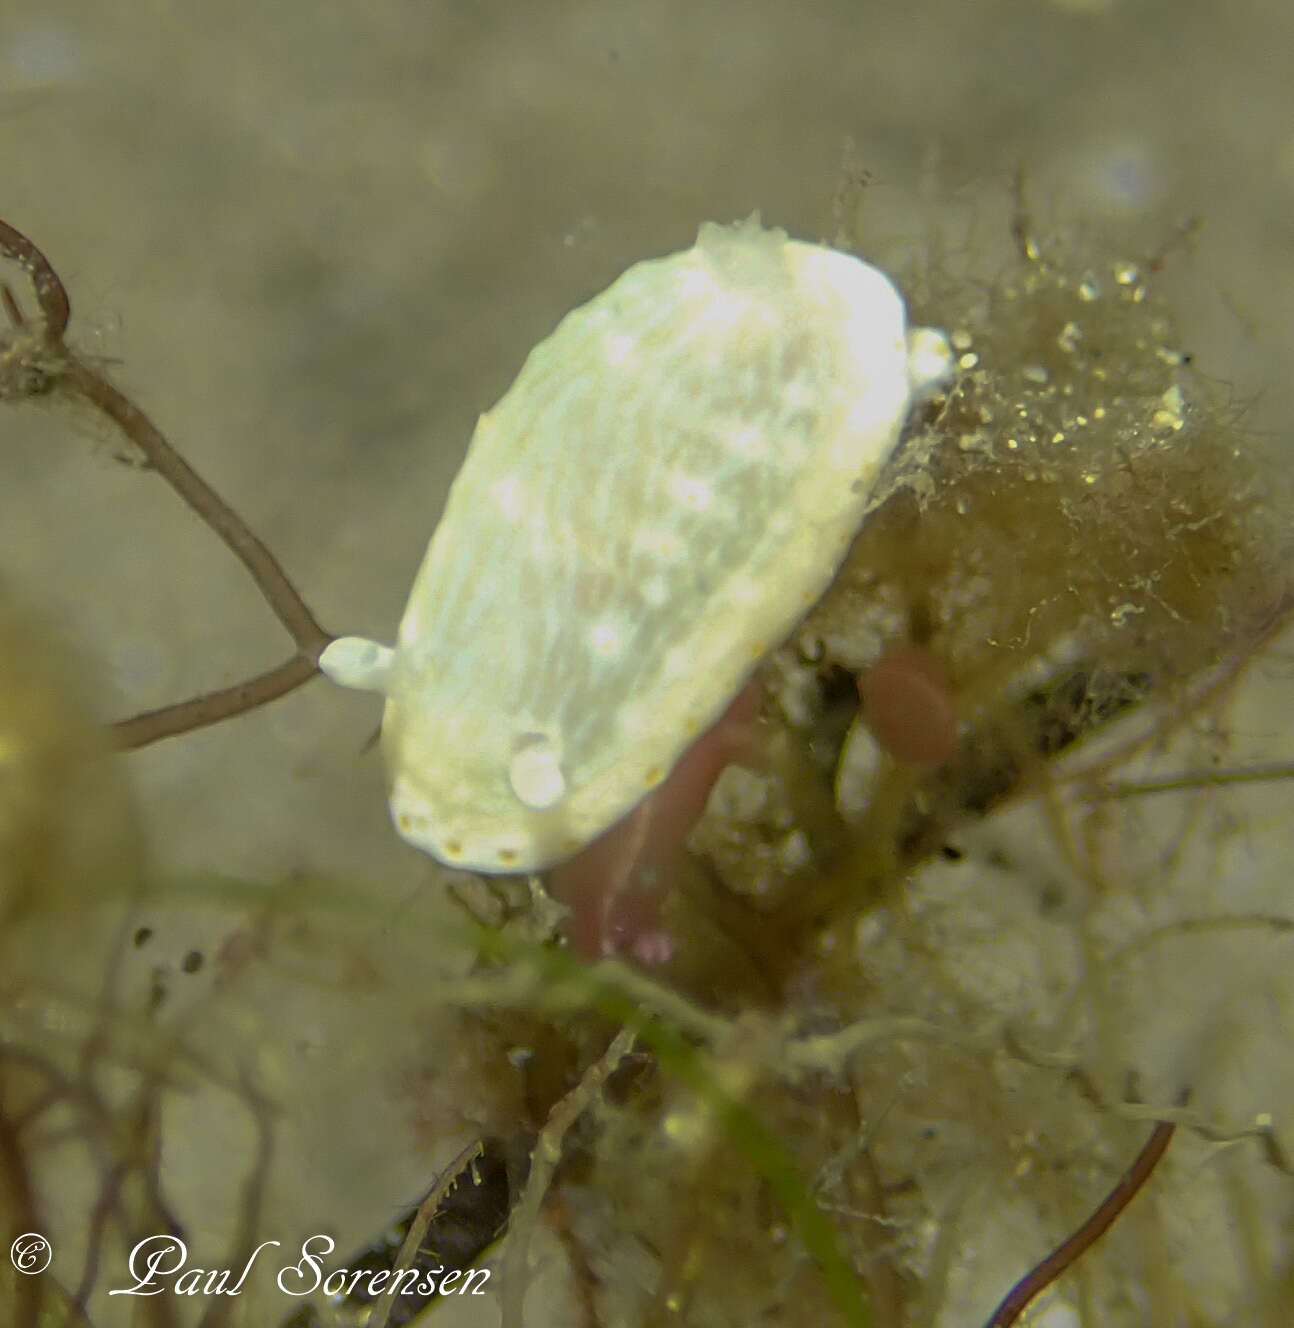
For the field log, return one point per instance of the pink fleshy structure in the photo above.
(615, 887)
(909, 708)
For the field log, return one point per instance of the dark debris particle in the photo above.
(989, 767)
(470, 1218)
(1079, 703)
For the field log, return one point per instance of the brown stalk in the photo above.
(54, 365)
(1043, 1274)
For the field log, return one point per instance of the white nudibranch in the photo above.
(671, 482)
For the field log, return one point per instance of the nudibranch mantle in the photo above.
(670, 483)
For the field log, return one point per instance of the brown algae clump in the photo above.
(1078, 526)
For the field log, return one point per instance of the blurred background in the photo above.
(315, 240)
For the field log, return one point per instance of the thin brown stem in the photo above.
(1021, 217)
(1064, 1255)
(61, 367)
(20, 1208)
(11, 306)
(1131, 788)
(544, 1160)
(418, 1228)
(281, 595)
(51, 294)
(212, 707)
(108, 1201)
(220, 1311)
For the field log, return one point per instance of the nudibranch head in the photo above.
(670, 483)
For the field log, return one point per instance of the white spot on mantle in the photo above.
(690, 491)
